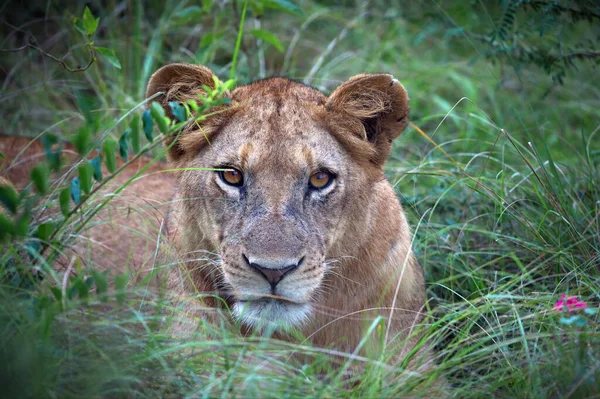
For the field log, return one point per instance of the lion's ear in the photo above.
(179, 82)
(380, 103)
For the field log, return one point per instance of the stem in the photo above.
(32, 45)
(238, 42)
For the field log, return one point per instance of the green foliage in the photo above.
(268, 37)
(527, 31)
(108, 148)
(96, 164)
(87, 26)
(109, 55)
(75, 190)
(40, 178)
(148, 124)
(86, 173)
(158, 114)
(9, 198)
(65, 195)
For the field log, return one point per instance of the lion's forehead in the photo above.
(272, 138)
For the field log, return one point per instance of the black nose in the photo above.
(273, 271)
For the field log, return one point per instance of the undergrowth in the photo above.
(499, 173)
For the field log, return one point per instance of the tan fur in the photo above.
(354, 240)
(356, 246)
(125, 233)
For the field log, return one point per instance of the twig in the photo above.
(33, 45)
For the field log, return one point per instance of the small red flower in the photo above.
(571, 304)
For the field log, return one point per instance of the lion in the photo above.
(123, 236)
(295, 224)
(305, 230)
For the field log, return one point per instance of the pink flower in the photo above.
(571, 304)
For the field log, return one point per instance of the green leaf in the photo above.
(158, 113)
(78, 24)
(576, 321)
(90, 23)
(257, 8)
(52, 150)
(193, 105)
(6, 227)
(45, 230)
(82, 139)
(148, 125)
(120, 287)
(101, 282)
(109, 146)
(109, 55)
(177, 110)
(40, 177)
(86, 105)
(134, 127)
(86, 171)
(63, 199)
(22, 226)
(75, 191)
(124, 145)
(283, 5)
(267, 37)
(82, 289)
(207, 40)
(97, 165)
(188, 13)
(57, 293)
(206, 5)
(9, 198)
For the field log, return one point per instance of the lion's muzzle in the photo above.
(273, 270)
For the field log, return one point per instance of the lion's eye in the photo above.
(233, 177)
(320, 180)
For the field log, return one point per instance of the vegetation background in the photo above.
(499, 173)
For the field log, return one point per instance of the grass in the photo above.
(499, 174)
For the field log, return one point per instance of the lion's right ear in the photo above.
(181, 82)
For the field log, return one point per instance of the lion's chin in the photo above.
(271, 313)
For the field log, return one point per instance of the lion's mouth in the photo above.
(271, 310)
(267, 297)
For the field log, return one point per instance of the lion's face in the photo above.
(274, 209)
(295, 173)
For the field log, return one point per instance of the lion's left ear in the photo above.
(380, 103)
(179, 82)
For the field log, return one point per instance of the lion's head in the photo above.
(297, 189)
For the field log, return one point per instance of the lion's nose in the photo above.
(273, 271)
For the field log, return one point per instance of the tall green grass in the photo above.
(499, 174)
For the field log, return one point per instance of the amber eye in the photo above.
(233, 177)
(320, 180)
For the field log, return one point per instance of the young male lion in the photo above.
(306, 230)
